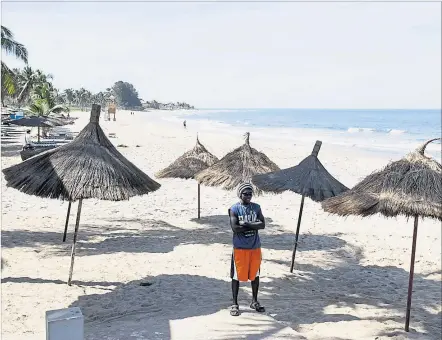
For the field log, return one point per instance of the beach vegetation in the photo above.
(44, 101)
(10, 47)
(126, 95)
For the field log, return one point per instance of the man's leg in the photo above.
(255, 288)
(234, 310)
(235, 290)
(255, 264)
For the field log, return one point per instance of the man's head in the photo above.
(245, 192)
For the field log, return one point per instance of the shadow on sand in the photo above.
(152, 312)
(10, 150)
(302, 299)
(25, 279)
(156, 236)
(11, 143)
(299, 300)
(312, 290)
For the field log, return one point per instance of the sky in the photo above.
(240, 55)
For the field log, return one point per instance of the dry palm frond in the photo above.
(238, 166)
(189, 164)
(308, 178)
(411, 186)
(88, 167)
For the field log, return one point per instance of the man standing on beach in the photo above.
(246, 219)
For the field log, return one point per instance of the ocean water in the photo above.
(376, 129)
(419, 124)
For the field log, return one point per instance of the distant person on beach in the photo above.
(246, 219)
(184, 123)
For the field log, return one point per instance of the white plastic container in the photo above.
(65, 324)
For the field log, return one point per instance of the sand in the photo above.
(350, 279)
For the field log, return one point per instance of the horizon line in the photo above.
(304, 108)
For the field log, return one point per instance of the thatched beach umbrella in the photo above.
(189, 164)
(411, 186)
(238, 166)
(88, 167)
(308, 178)
(39, 122)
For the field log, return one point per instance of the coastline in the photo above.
(350, 279)
(390, 146)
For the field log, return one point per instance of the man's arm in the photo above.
(234, 224)
(241, 226)
(258, 225)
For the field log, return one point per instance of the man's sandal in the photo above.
(256, 306)
(234, 310)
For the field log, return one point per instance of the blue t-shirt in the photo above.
(248, 213)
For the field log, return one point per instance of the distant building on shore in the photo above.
(169, 106)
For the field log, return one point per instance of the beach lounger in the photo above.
(38, 148)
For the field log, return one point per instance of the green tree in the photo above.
(44, 104)
(10, 47)
(83, 98)
(99, 98)
(29, 80)
(68, 96)
(126, 95)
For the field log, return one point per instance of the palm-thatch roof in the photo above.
(308, 178)
(37, 121)
(189, 164)
(88, 167)
(411, 186)
(238, 166)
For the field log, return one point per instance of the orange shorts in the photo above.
(245, 264)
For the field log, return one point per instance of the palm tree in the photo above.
(100, 98)
(84, 98)
(69, 96)
(58, 97)
(8, 83)
(155, 104)
(10, 47)
(44, 103)
(28, 80)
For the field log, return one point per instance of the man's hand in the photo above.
(242, 226)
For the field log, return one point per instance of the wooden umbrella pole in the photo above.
(38, 134)
(297, 234)
(74, 243)
(410, 279)
(199, 198)
(67, 222)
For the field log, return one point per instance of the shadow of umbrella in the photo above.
(302, 300)
(88, 167)
(155, 236)
(157, 308)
